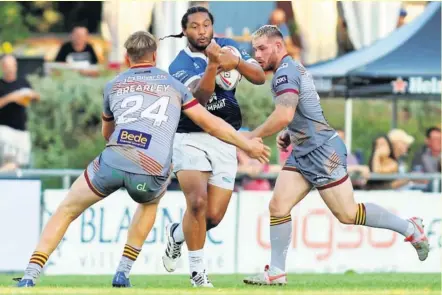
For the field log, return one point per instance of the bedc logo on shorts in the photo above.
(134, 138)
(281, 80)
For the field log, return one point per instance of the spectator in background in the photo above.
(387, 152)
(402, 15)
(428, 160)
(252, 168)
(15, 96)
(78, 50)
(278, 18)
(358, 173)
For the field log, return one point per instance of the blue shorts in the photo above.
(324, 167)
(103, 180)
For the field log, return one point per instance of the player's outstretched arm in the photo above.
(217, 127)
(285, 108)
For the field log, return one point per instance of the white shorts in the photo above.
(203, 152)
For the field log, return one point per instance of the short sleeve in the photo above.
(286, 80)
(107, 112)
(187, 99)
(183, 74)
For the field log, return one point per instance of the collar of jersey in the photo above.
(194, 54)
(282, 60)
(141, 66)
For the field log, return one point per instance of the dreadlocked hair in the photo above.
(185, 20)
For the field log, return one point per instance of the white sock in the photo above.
(196, 261)
(178, 233)
(410, 229)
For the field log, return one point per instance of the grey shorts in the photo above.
(323, 167)
(103, 180)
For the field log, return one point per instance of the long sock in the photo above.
(280, 237)
(130, 254)
(196, 261)
(178, 233)
(372, 215)
(35, 266)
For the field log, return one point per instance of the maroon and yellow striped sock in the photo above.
(39, 258)
(280, 220)
(131, 252)
(360, 215)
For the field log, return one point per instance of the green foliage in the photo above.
(255, 101)
(66, 125)
(18, 20)
(11, 22)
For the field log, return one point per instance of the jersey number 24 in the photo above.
(156, 111)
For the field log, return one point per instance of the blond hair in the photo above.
(140, 44)
(269, 31)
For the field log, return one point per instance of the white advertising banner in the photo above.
(94, 242)
(20, 208)
(321, 244)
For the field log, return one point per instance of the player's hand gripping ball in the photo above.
(228, 80)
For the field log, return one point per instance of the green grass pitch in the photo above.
(305, 284)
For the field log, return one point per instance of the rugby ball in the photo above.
(229, 80)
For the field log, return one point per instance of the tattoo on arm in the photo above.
(287, 99)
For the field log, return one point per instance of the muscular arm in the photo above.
(216, 127)
(285, 108)
(202, 89)
(252, 72)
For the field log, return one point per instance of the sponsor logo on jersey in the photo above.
(215, 104)
(142, 187)
(180, 75)
(283, 66)
(134, 138)
(145, 78)
(196, 65)
(281, 80)
(213, 98)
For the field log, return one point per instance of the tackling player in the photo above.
(142, 108)
(318, 159)
(205, 167)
